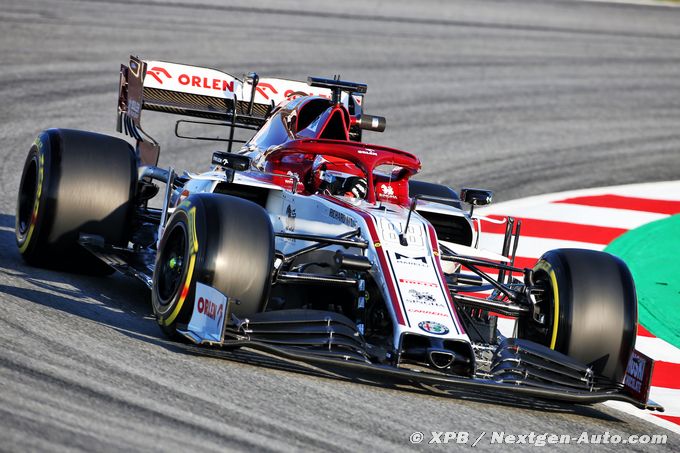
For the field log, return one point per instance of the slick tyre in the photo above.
(589, 307)
(74, 182)
(437, 190)
(221, 241)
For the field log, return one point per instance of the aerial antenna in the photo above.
(336, 90)
(337, 86)
(253, 79)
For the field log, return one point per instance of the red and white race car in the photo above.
(311, 245)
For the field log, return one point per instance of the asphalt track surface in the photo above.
(523, 97)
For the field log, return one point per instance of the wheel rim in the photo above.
(27, 195)
(172, 264)
(533, 330)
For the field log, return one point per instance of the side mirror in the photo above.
(476, 197)
(370, 122)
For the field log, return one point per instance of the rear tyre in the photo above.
(589, 307)
(436, 190)
(73, 182)
(218, 240)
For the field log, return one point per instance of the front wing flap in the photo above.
(340, 365)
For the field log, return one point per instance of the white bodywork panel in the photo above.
(419, 294)
(409, 277)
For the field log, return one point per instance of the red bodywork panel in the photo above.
(297, 157)
(305, 128)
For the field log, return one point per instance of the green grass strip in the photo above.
(653, 254)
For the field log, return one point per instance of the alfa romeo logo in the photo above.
(433, 327)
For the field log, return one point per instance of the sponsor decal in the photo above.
(368, 151)
(427, 312)
(419, 261)
(161, 74)
(264, 85)
(156, 72)
(134, 68)
(421, 297)
(210, 309)
(433, 327)
(388, 191)
(208, 318)
(206, 82)
(134, 108)
(342, 218)
(638, 376)
(290, 218)
(418, 282)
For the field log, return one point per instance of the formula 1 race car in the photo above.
(312, 246)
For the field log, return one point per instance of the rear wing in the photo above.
(204, 93)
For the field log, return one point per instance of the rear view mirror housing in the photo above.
(237, 162)
(476, 197)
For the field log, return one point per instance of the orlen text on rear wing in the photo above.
(204, 93)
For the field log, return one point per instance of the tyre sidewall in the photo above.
(233, 252)
(189, 215)
(31, 241)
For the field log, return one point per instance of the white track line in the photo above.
(658, 349)
(532, 247)
(667, 190)
(572, 213)
(647, 416)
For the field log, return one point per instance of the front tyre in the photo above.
(589, 309)
(218, 240)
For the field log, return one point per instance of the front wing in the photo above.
(386, 375)
(330, 343)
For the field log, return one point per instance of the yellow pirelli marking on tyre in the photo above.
(544, 266)
(193, 250)
(556, 309)
(36, 205)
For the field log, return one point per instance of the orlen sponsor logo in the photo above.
(210, 309)
(264, 87)
(156, 72)
(206, 82)
(160, 73)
